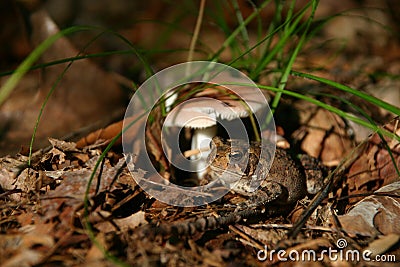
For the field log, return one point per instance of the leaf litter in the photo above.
(43, 214)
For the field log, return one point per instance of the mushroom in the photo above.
(234, 97)
(204, 112)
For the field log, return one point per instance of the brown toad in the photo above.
(243, 166)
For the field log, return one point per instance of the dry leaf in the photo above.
(132, 221)
(95, 254)
(29, 257)
(382, 244)
(10, 168)
(374, 214)
(323, 133)
(86, 94)
(63, 145)
(375, 168)
(18, 249)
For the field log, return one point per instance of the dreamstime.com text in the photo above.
(339, 254)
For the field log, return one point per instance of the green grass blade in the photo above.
(365, 115)
(335, 110)
(233, 35)
(10, 84)
(288, 31)
(239, 17)
(328, 107)
(286, 72)
(102, 54)
(376, 101)
(86, 201)
(49, 94)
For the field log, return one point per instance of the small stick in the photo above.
(192, 152)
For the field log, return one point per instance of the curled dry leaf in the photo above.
(375, 214)
(85, 94)
(124, 224)
(18, 249)
(63, 145)
(262, 236)
(323, 133)
(106, 134)
(383, 244)
(375, 167)
(28, 180)
(132, 221)
(29, 257)
(10, 168)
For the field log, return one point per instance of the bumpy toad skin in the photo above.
(235, 162)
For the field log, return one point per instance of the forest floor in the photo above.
(69, 203)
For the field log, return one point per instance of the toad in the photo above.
(241, 166)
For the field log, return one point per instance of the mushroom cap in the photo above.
(212, 104)
(195, 113)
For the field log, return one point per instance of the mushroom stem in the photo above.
(201, 138)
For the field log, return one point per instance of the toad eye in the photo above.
(235, 156)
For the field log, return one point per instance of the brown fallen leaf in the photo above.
(382, 244)
(105, 135)
(375, 167)
(323, 134)
(124, 224)
(376, 214)
(95, 254)
(86, 94)
(263, 236)
(10, 169)
(29, 257)
(21, 249)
